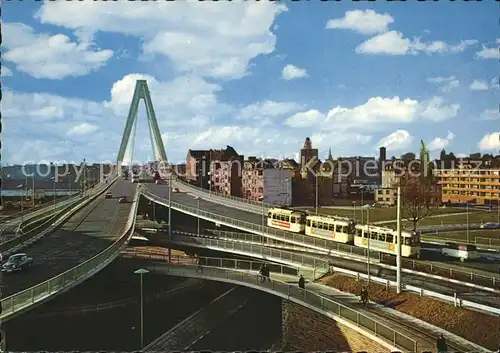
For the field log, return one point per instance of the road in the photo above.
(85, 234)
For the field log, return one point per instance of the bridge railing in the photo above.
(299, 239)
(317, 266)
(237, 271)
(46, 205)
(68, 279)
(49, 222)
(478, 241)
(229, 197)
(464, 274)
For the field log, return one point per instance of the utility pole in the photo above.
(369, 237)
(317, 193)
(398, 244)
(170, 215)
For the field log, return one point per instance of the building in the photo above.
(198, 167)
(253, 178)
(308, 155)
(278, 186)
(467, 184)
(226, 171)
(391, 179)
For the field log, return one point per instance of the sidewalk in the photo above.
(424, 333)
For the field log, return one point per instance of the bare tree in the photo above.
(420, 197)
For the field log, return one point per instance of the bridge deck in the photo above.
(85, 234)
(424, 334)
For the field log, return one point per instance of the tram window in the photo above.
(314, 224)
(282, 217)
(320, 225)
(365, 234)
(270, 215)
(287, 218)
(331, 227)
(338, 228)
(381, 237)
(374, 236)
(275, 216)
(389, 238)
(292, 219)
(408, 241)
(308, 222)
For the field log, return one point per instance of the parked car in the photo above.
(490, 225)
(17, 262)
(108, 195)
(123, 199)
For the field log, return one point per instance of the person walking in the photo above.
(302, 282)
(441, 345)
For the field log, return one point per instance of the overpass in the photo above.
(92, 236)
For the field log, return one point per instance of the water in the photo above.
(19, 193)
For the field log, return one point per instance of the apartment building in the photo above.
(253, 178)
(226, 171)
(391, 179)
(197, 169)
(468, 184)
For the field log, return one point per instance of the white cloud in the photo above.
(291, 72)
(449, 82)
(375, 114)
(440, 143)
(6, 71)
(488, 53)
(490, 142)
(490, 114)
(52, 57)
(394, 43)
(198, 38)
(82, 129)
(435, 110)
(305, 119)
(365, 22)
(478, 85)
(398, 140)
(267, 111)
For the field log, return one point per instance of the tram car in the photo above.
(290, 220)
(339, 229)
(384, 240)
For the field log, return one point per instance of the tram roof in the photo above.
(329, 219)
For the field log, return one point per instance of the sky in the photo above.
(259, 76)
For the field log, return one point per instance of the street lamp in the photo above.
(142, 271)
(467, 214)
(198, 202)
(54, 191)
(354, 210)
(368, 237)
(362, 187)
(21, 186)
(316, 177)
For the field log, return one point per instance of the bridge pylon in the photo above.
(142, 92)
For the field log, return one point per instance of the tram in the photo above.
(385, 240)
(339, 229)
(290, 220)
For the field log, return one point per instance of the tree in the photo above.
(420, 197)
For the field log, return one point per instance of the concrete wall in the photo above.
(306, 330)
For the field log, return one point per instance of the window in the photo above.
(292, 219)
(331, 227)
(308, 222)
(314, 224)
(389, 238)
(338, 228)
(374, 236)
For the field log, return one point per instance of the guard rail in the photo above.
(421, 268)
(237, 272)
(21, 301)
(480, 242)
(322, 246)
(456, 300)
(49, 225)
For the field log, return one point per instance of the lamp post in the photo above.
(354, 210)
(369, 237)
(21, 186)
(33, 195)
(169, 175)
(54, 192)
(140, 272)
(398, 244)
(467, 213)
(316, 177)
(198, 205)
(362, 187)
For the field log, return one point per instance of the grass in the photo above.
(484, 234)
(459, 321)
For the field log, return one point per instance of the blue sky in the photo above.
(258, 76)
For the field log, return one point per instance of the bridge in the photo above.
(94, 231)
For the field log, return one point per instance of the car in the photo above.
(17, 262)
(490, 225)
(108, 195)
(123, 199)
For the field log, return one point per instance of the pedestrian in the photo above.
(199, 268)
(302, 282)
(262, 273)
(441, 345)
(267, 272)
(364, 296)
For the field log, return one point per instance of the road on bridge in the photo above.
(88, 232)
